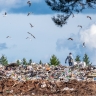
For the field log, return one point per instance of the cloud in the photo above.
(3, 46)
(7, 4)
(87, 35)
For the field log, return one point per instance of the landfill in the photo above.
(46, 80)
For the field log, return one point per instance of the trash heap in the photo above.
(45, 80)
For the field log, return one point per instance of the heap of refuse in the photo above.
(45, 80)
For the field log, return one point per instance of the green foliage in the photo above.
(30, 61)
(86, 59)
(3, 60)
(40, 62)
(18, 62)
(54, 61)
(24, 61)
(77, 58)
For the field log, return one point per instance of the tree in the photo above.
(30, 61)
(24, 61)
(40, 62)
(68, 8)
(77, 58)
(3, 60)
(18, 62)
(54, 61)
(86, 59)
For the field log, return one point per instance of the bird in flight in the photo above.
(70, 38)
(83, 44)
(28, 32)
(79, 26)
(8, 37)
(28, 2)
(29, 13)
(33, 36)
(31, 25)
(89, 17)
(29, 38)
(5, 14)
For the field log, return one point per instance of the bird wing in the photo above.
(32, 35)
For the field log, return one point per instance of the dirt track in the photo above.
(8, 87)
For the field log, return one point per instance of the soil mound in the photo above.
(10, 87)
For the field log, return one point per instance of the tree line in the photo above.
(53, 60)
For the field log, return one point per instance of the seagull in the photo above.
(8, 37)
(83, 44)
(5, 14)
(29, 13)
(33, 36)
(89, 17)
(70, 38)
(31, 25)
(29, 38)
(79, 26)
(28, 2)
(28, 32)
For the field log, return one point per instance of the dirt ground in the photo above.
(9, 87)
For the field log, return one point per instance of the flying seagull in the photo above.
(29, 13)
(33, 36)
(28, 2)
(70, 38)
(5, 14)
(29, 38)
(8, 37)
(31, 25)
(28, 32)
(83, 44)
(89, 17)
(79, 26)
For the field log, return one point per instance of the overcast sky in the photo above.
(50, 39)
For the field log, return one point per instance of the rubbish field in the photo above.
(45, 80)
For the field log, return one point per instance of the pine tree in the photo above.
(3, 60)
(30, 61)
(40, 62)
(24, 61)
(86, 59)
(77, 58)
(54, 61)
(67, 8)
(18, 62)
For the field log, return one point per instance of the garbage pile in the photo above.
(45, 80)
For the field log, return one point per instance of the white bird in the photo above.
(89, 17)
(5, 14)
(29, 13)
(29, 2)
(79, 26)
(8, 37)
(31, 25)
(29, 38)
(83, 44)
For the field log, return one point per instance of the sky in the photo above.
(50, 39)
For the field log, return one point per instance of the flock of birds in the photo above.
(29, 3)
(80, 27)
